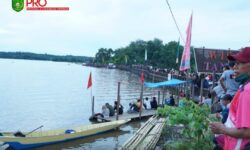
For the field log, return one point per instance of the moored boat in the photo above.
(38, 139)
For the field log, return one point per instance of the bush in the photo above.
(194, 123)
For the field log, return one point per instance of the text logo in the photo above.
(17, 5)
(41, 5)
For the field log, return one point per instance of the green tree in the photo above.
(158, 54)
(103, 56)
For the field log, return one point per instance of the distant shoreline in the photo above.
(45, 57)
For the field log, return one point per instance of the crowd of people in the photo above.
(134, 107)
(233, 132)
(229, 101)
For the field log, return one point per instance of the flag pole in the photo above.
(91, 96)
(93, 102)
(141, 94)
(141, 97)
(178, 51)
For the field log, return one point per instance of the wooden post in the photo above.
(201, 90)
(93, 105)
(163, 95)
(159, 94)
(178, 94)
(192, 91)
(118, 101)
(141, 97)
(165, 91)
(213, 78)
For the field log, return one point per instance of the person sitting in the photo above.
(120, 108)
(207, 101)
(133, 108)
(216, 106)
(153, 103)
(105, 111)
(100, 117)
(147, 103)
(181, 103)
(140, 105)
(226, 100)
(111, 109)
(171, 101)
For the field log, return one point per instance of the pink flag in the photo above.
(185, 60)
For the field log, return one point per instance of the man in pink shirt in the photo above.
(236, 130)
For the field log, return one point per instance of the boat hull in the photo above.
(39, 139)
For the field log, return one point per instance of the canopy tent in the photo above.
(172, 82)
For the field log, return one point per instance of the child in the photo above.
(226, 100)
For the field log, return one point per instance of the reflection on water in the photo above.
(109, 141)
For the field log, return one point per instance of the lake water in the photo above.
(55, 95)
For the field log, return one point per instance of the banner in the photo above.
(185, 60)
(211, 60)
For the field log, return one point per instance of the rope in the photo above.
(175, 21)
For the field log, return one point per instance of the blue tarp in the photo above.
(172, 82)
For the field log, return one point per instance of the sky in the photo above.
(93, 24)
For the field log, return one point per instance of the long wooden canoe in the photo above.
(38, 139)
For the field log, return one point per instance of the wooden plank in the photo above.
(133, 142)
(153, 137)
(147, 136)
(125, 115)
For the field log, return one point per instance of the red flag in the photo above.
(90, 81)
(142, 77)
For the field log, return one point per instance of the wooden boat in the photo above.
(38, 139)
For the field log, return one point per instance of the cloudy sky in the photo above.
(92, 24)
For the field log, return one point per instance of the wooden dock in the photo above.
(133, 116)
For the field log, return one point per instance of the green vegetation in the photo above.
(158, 54)
(193, 120)
(33, 56)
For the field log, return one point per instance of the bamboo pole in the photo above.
(153, 137)
(133, 141)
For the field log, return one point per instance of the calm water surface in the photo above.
(54, 94)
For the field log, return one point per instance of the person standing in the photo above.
(227, 81)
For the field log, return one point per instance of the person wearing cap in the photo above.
(227, 81)
(236, 129)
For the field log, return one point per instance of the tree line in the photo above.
(158, 54)
(33, 56)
